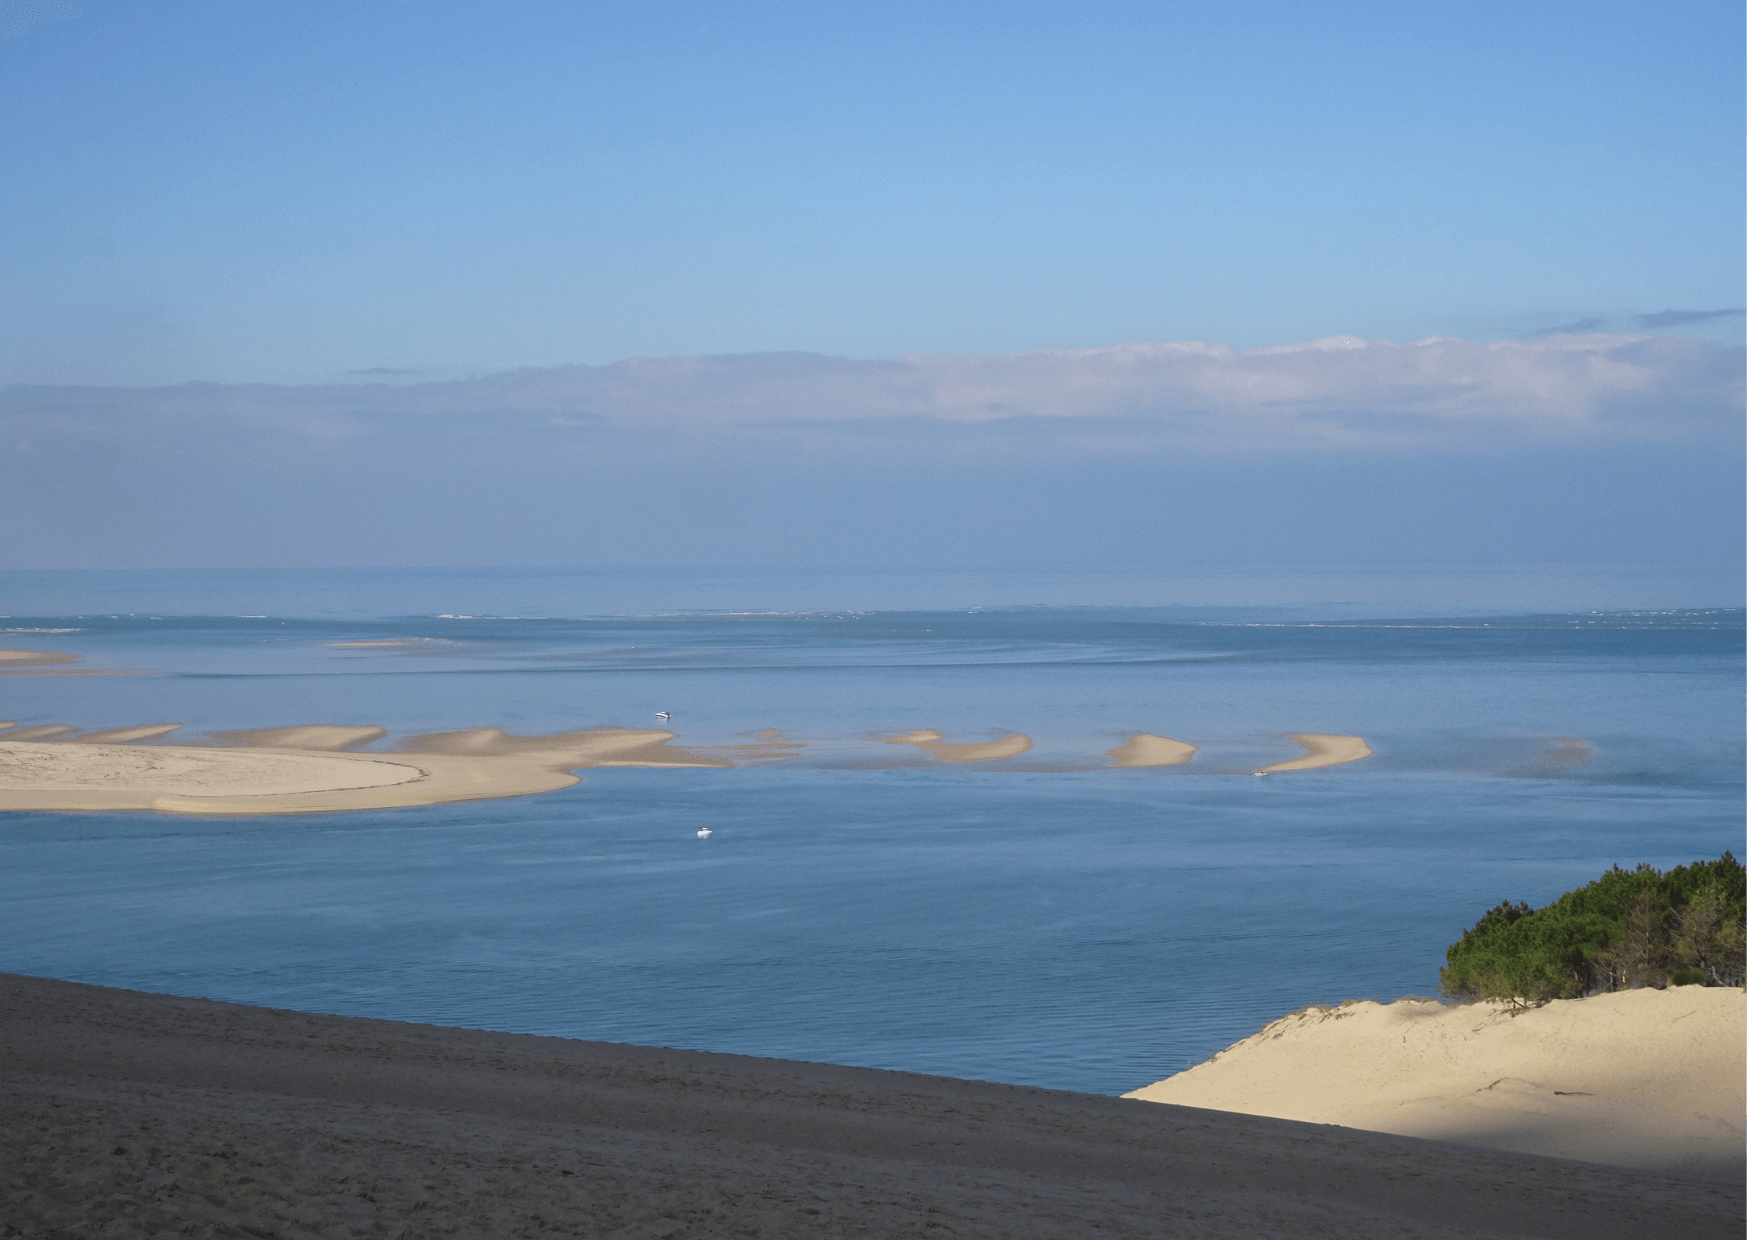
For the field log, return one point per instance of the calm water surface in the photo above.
(1044, 919)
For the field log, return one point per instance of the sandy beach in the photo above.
(1648, 1079)
(133, 1114)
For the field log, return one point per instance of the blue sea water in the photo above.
(1045, 919)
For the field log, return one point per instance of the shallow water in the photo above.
(1042, 919)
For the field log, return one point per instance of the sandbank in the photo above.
(931, 742)
(129, 1113)
(41, 732)
(476, 764)
(1322, 749)
(1146, 749)
(121, 736)
(1648, 1079)
(34, 658)
(322, 736)
(46, 663)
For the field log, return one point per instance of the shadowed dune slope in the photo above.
(127, 1113)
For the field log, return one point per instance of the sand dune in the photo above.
(929, 741)
(1146, 749)
(132, 1114)
(1322, 749)
(1651, 1079)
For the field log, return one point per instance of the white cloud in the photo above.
(1339, 392)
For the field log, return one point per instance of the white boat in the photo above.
(703, 833)
(662, 714)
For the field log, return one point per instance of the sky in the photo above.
(482, 279)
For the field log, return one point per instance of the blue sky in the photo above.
(351, 284)
(285, 193)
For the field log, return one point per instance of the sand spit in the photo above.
(1322, 749)
(931, 742)
(1648, 1079)
(129, 1113)
(30, 769)
(1146, 749)
(477, 764)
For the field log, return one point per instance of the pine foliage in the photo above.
(1629, 928)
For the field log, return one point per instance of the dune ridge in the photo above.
(1649, 1079)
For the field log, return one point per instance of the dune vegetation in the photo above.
(1627, 929)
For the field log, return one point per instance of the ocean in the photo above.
(1045, 919)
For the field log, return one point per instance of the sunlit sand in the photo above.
(1322, 749)
(1652, 1079)
(1146, 749)
(476, 764)
(931, 742)
(324, 736)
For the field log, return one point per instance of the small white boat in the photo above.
(1262, 774)
(662, 714)
(703, 833)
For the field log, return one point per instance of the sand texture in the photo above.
(132, 1114)
(1322, 749)
(41, 732)
(452, 766)
(1146, 749)
(34, 658)
(932, 742)
(44, 663)
(325, 736)
(1648, 1079)
(122, 736)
